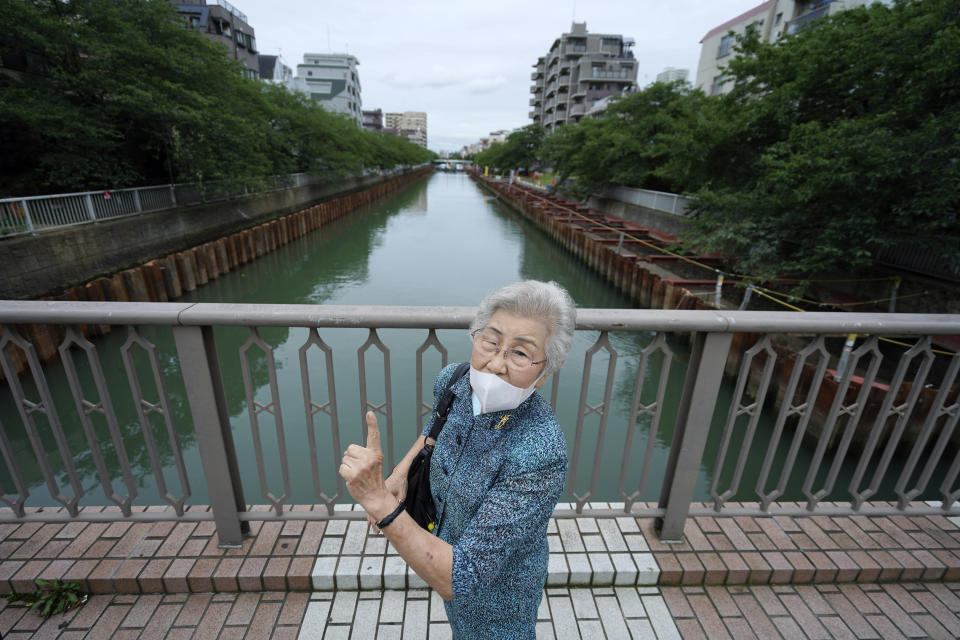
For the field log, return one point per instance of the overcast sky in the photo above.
(468, 64)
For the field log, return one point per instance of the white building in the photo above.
(410, 124)
(274, 70)
(671, 74)
(773, 19)
(331, 80)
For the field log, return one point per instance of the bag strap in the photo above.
(443, 405)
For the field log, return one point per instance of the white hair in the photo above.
(546, 302)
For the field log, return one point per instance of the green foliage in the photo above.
(836, 142)
(121, 93)
(521, 150)
(848, 133)
(52, 597)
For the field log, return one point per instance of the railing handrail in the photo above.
(712, 349)
(451, 317)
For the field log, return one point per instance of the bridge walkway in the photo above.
(733, 577)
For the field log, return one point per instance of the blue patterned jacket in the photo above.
(495, 479)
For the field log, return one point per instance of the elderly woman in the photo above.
(497, 470)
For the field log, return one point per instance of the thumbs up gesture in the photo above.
(362, 467)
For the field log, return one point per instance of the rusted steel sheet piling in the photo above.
(168, 278)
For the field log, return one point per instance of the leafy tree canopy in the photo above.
(835, 143)
(113, 93)
(521, 150)
(843, 139)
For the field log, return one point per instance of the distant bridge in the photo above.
(445, 164)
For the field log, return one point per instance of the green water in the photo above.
(442, 241)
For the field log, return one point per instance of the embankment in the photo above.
(627, 255)
(188, 266)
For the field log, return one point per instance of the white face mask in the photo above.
(496, 394)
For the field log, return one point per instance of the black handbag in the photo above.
(419, 500)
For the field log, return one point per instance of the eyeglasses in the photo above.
(488, 345)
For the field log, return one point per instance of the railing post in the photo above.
(173, 195)
(91, 212)
(136, 200)
(26, 214)
(202, 379)
(704, 374)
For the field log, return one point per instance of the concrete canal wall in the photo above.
(52, 261)
(189, 266)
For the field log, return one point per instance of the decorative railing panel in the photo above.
(651, 426)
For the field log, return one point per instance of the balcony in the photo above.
(622, 75)
(802, 22)
(578, 109)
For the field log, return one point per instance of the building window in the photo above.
(726, 45)
(718, 82)
(779, 18)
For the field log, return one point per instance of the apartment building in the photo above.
(274, 70)
(332, 81)
(373, 120)
(671, 74)
(222, 22)
(772, 19)
(410, 124)
(579, 70)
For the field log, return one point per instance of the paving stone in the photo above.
(570, 535)
(315, 619)
(593, 542)
(583, 604)
(805, 617)
(564, 620)
(648, 571)
(244, 606)
(580, 570)
(394, 573)
(347, 573)
(344, 605)
(602, 568)
(371, 572)
(415, 622)
(660, 618)
(438, 612)
(708, 617)
(612, 535)
(322, 576)
(365, 619)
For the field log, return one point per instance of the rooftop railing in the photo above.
(900, 403)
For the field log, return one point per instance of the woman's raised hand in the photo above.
(362, 469)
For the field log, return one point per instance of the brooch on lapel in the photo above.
(502, 422)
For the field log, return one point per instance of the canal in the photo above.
(442, 241)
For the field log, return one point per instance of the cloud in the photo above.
(484, 84)
(438, 76)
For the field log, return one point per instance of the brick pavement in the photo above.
(849, 576)
(713, 612)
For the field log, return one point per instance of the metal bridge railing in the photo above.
(921, 400)
(25, 215)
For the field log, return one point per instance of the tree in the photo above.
(849, 143)
(633, 143)
(101, 94)
(521, 150)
